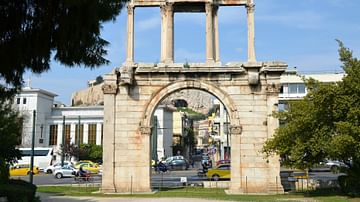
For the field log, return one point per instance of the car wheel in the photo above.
(215, 177)
(49, 171)
(58, 175)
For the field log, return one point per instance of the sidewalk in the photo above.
(56, 198)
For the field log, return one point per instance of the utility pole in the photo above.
(32, 149)
(78, 140)
(63, 143)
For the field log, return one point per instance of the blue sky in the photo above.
(301, 33)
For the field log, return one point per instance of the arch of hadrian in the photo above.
(249, 91)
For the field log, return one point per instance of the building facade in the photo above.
(213, 132)
(52, 120)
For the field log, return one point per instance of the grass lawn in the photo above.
(193, 192)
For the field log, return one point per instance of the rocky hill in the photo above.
(197, 100)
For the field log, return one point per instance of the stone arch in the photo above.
(157, 97)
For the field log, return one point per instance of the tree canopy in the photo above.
(32, 31)
(325, 124)
(10, 136)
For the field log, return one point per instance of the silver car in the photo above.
(50, 169)
(65, 171)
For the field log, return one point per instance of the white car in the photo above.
(65, 171)
(50, 169)
(335, 165)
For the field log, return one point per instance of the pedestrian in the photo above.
(192, 161)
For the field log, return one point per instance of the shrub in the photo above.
(349, 185)
(18, 190)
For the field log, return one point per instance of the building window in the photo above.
(81, 133)
(67, 134)
(92, 134)
(24, 101)
(53, 135)
(296, 88)
(301, 88)
(18, 100)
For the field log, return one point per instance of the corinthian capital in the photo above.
(130, 9)
(250, 7)
(235, 130)
(145, 130)
(109, 88)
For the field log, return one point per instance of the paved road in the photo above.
(54, 198)
(168, 179)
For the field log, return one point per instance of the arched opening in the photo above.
(190, 138)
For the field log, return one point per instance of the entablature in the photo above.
(188, 3)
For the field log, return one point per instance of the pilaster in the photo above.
(110, 89)
(236, 169)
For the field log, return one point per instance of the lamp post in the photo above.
(78, 140)
(63, 143)
(32, 149)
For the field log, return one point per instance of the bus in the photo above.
(43, 156)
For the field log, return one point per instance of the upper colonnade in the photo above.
(169, 7)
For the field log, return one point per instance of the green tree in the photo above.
(90, 152)
(10, 137)
(32, 31)
(325, 124)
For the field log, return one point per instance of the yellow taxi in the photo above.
(221, 171)
(89, 166)
(22, 169)
(86, 161)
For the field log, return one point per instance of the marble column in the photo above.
(209, 33)
(216, 34)
(163, 33)
(170, 33)
(86, 134)
(251, 30)
(130, 35)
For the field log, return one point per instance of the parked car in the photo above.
(91, 167)
(221, 171)
(223, 161)
(85, 161)
(168, 159)
(177, 164)
(22, 169)
(334, 165)
(65, 171)
(50, 169)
